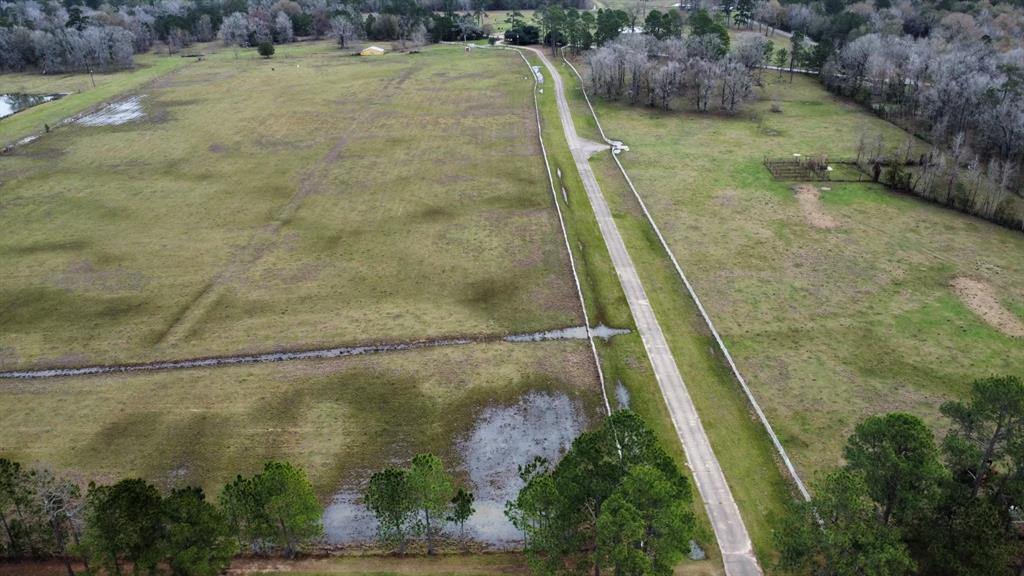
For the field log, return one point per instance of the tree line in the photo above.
(416, 501)
(967, 98)
(950, 72)
(641, 69)
(902, 504)
(616, 500)
(109, 527)
(52, 36)
(838, 21)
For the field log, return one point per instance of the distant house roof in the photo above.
(372, 51)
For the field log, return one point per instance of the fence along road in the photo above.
(779, 449)
(730, 531)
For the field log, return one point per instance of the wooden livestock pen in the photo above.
(799, 168)
(816, 169)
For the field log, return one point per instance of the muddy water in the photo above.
(12, 103)
(573, 333)
(577, 332)
(233, 360)
(502, 438)
(347, 521)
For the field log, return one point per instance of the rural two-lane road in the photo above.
(730, 531)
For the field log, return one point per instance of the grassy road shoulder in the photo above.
(739, 441)
(623, 360)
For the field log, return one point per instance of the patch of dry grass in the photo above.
(312, 199)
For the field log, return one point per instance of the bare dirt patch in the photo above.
(809, 198)
(728, 198)
(982, 300)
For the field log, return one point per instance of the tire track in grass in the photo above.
(266, 237)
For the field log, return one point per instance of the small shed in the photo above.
(372, 51)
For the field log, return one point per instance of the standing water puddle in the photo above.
(573, 333)
(115, 114)
(12, 103)
(502, 439)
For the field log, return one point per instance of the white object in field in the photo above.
(537, 73)
(372, 51)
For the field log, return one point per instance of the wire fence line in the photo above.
(565, 234)
(780, 450)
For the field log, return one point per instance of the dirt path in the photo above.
(730, 531)
(809, 198)
(982, 300)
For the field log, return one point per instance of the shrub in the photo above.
(266, 49)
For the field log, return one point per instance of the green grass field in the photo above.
(338, 419)
(828, 324)
(383, 197)
(403, 194)
(319, 199)
(313, 199)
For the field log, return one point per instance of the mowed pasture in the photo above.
(343, 200)
(314, 199)
(340, 420)
(838, 302)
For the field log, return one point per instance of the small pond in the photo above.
(11, 103)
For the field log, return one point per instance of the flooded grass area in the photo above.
(196, 218)
(116, 113)
(573, 333)
(83, 91)
(503, 437)
(340, 419)
(203, 219)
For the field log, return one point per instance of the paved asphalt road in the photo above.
(730, 531)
